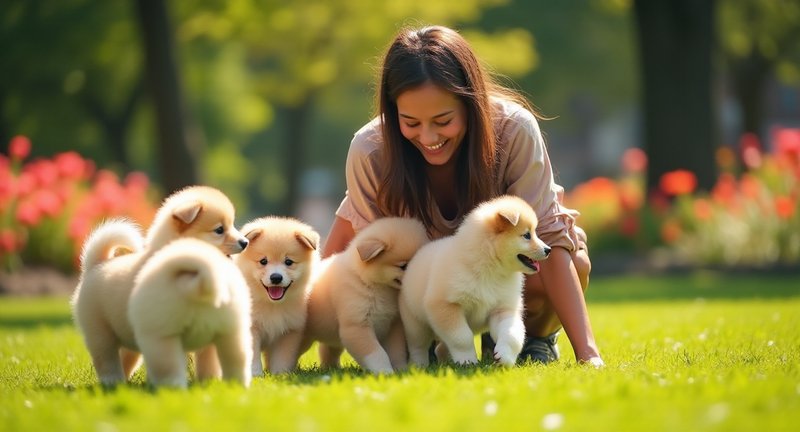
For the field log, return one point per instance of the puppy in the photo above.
(353, 302)
(188, 296)
(277, 266)
(458, 286)
(112, 256)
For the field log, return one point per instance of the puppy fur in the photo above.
(277, 265)
(462, 285)
(189, 295)
(114, 253)
(353, 302)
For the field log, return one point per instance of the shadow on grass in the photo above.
(707, 284)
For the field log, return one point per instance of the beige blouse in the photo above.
(524, 166)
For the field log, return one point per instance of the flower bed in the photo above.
(749, 218)
(49, 206)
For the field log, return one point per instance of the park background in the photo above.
(672, 125)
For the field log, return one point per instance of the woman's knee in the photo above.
(583, 266)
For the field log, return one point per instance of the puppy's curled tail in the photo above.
(112, 238)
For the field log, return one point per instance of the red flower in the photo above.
(785, 207)
(629, 226)
(19, 148)
(8, 241)
(678, 182)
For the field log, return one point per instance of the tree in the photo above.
(178, 149)
(298, 52)
(758, 37)
(675, 46)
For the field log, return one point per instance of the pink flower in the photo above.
(634, 160)
(48, 202)
(71, 165)
(28, 213)
(19, 148)
(751, 150)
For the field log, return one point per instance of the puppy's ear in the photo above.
(370, 248)
(187, 213)
(309, 239)
(253, 234)
(505, 219)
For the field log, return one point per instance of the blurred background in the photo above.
(261, 98)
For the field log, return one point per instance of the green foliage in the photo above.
(728, 361)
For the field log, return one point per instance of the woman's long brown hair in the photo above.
(443, 57)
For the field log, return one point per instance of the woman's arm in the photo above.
(339, 237)
(563, 288)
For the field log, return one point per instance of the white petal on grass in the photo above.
(770, 343)
(490, 409)
(718, 412)
(28, 404)
(552, 421)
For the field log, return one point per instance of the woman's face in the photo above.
(434, 120)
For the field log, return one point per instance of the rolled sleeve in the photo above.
(362, 177)
(529, 175)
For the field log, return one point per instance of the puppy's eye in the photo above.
(263, 261)
(219, 230)
(527, 235)
(288, 261)
(403, 266)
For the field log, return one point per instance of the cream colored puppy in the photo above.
(462, 285)
(115, 252)
(353, 302)
(188, 296)
(277, 265)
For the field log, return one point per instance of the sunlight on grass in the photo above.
(689, 363)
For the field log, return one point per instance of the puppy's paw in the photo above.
(504, 355)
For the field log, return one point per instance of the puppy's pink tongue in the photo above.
(275, 292)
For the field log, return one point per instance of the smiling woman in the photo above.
(447, 138)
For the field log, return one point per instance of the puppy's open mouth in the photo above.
(276, 292)
(527, 262)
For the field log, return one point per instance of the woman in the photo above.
(447, 137)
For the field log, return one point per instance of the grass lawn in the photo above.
(695, 352)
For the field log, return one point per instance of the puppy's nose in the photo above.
(243, 243)
(275, 278)
(547, 251)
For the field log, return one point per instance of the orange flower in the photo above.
(785, 207)
(750, 186)
(724, 191)
(703, 209)
(726, 159)
(678, 182)
(671, 231)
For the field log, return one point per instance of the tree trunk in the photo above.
(297, 125)
(178, 148)
(680, 129)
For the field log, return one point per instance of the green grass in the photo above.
(702, 351)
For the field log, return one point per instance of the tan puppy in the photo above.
(277, 265)
(353, 303)
(100, 301)
(188, 296)
(458, 286)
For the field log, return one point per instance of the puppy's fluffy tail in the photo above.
(113, 238)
